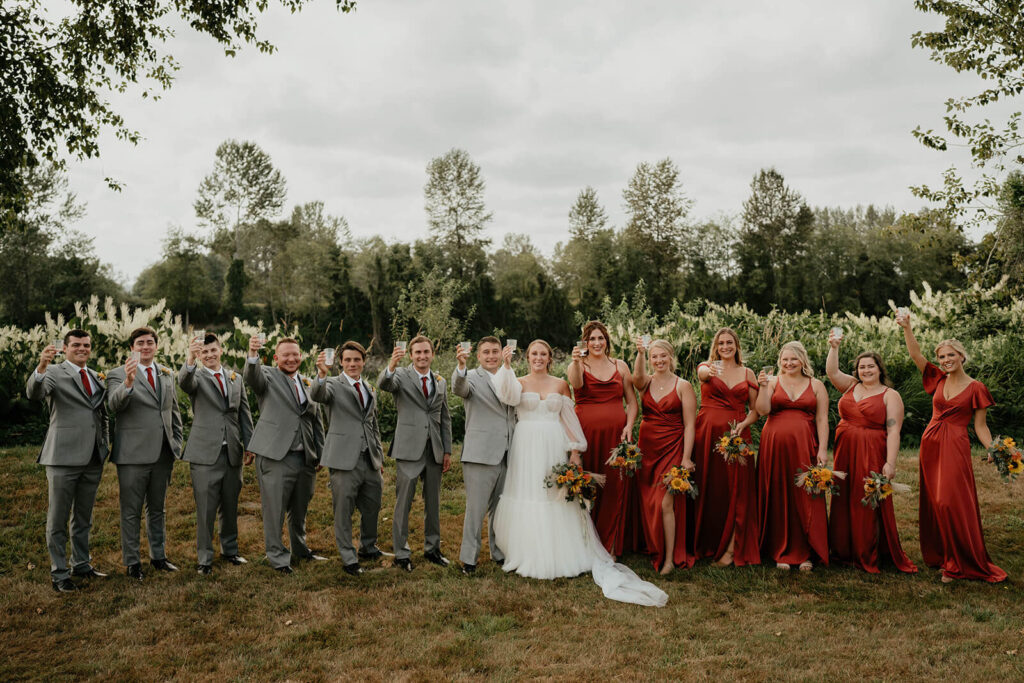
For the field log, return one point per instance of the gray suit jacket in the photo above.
(419, 421)
(78, 423)
(489, 422)
(350, 429)
(140, 415)
(281, 415)
(216, 419)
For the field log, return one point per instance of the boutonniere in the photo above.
(233, 375)
(305, 381)
(437, 377)
(165, 371)
(100, 376)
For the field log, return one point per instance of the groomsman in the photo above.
(286, 442)
(352, 452)
(73, 453)
(489, 427)
(421, 447)
(147, 439)
(221, 428)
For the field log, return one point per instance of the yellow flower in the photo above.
(736, 441)
(685, 486)
(233, 375)
(1015, 466)
(1009, 442)
(677, 484)
(886, 489)
(101, 376)
(724, 441)
(869, 487)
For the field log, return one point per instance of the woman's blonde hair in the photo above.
(662, 344)
(801, 353)
(713, 356)
(551, 354)
(955, 345)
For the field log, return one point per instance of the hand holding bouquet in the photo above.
(626, 458)
(677, 481)
(575, 484)
(1007, 457)
(878, 487)
(733, 449)
(818, 480)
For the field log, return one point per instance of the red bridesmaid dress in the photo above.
(599, 407)
(727, 502)
(794, 525)
(661, 441)
(951, 534)
(857, 534)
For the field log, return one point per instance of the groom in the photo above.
(421, 447)
(489, 426)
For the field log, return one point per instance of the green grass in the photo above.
(246, 623)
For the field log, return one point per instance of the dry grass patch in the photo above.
(246, 623)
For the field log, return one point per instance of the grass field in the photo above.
(245, 623)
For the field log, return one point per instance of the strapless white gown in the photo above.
(542, 535)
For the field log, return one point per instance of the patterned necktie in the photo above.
(362, 403)
(85, 382)
(149, 376)
(426, 392)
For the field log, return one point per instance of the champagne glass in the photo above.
(837, 332)
(58, 344)
(329, 357)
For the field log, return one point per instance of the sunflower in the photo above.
(677, 484)
(685, 486)
(1015, 466)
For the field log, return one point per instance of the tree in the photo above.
(456, 212)
(527, 298)
(656, 236)
(587, 217)
(58, 68)
(188, 278)
(381, 271)
(986, 38)
(586, 266)
(773, 243)
(426, 306)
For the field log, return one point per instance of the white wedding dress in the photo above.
(542, 535)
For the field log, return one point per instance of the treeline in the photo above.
(307, 270)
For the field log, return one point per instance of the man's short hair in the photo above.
(141, 332)
(211, 338)
(77, 333)
(286, 340)
(489, 339)
(420, 339)
(353, 346)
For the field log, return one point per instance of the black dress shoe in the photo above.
(371, 555)
(91, 573)
(64, 586)
(353, 569)
(284, 570)
(436, 557)
(135, 571)
(468, 569)
(236, 559)
(405, 564)
(163, 565)
(204, 569)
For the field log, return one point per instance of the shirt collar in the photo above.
(73, 367)
(214, 372)
(353, 381)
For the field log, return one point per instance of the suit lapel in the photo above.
(225, 396)
(76, 379)
(141, 376)
(289, 386)
(486, 378)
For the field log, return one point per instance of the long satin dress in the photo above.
(794, 525)
(950, 520)
(857, 534)
(661, 441)
(599, 407)
(727, 503)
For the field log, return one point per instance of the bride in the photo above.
(542, 535)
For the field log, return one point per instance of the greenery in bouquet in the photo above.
(1006, 456)
(878, 487)
(678, 482)
(626, 458)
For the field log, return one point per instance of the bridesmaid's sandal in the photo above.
(783, 566)
(806, 566)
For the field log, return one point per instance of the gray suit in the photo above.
(423, 434)
(73, 452)
(354, 456)
(147, 440)
(220, 432)
(489, 427)
(287, 442)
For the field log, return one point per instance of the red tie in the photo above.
(362, 404)
(217, 375)
(85, 382)
(149, 376)
(426, 394)
(298, 396)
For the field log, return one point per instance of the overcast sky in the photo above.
(547, 97)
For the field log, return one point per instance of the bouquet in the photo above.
(817, 480)
(1007, 457)
(575, 484)
(625, 458)
(878, 487)
(734, 449)
(677, 481)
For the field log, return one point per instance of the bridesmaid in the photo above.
(794, 525)
(950, 521)
(666, 440)
(867, 440)
(602, 385)
(726, 509)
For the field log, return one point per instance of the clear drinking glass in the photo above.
(261, 337)
(511, 343)
(59, 344)
(402, 344)
(200, 335)
(329, 356)
(768, 370)
(837, 332)
(136, 356)
(646, 339)
(582, 346)
(718, 366)
(465, 346)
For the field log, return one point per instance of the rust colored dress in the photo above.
(950, 521)
(727, 502)
(599, 407)
(794, 525)
(857, 534)
(661, 441)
